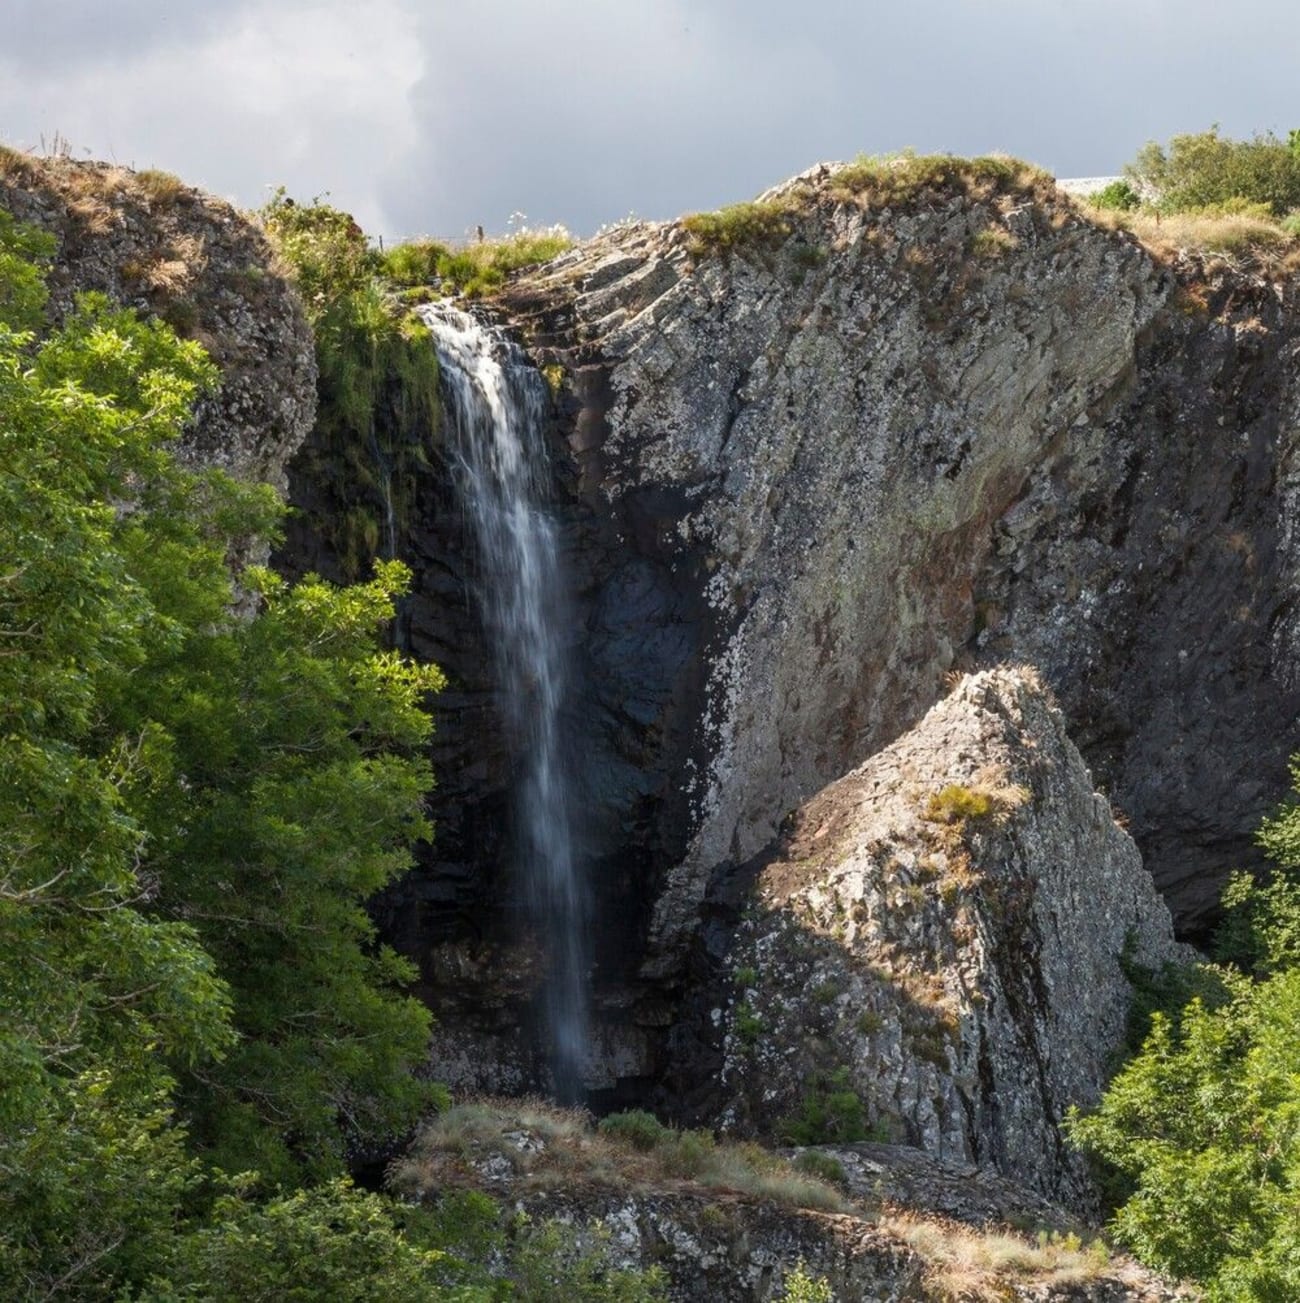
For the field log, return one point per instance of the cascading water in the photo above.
(496, 401)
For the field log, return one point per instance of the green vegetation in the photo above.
(635, 1127)
(1118, 196)
(887, 180)
(740, 226)
(830, 1113)
(626, 1152)
(800, 1287)
(1200, 1127)
(955, 803)
(476, 269)
(196, 806)
(1239, 198)
(377, 385)
(822, 1166)
(1204, 169)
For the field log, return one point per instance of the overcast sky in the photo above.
(430, 116)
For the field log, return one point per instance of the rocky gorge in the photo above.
(931, 554)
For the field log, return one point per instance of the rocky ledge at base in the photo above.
(935, 950)
(731, 1223)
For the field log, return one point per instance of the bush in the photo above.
(635, 1127)
(1206, 168)
(1118, 196)
(1201, 1124)
(831, 1112)
(822, 1166)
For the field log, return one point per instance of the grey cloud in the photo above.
(581, 110)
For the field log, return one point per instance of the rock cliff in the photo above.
(937, 943)
(903, 428)
(151, 242)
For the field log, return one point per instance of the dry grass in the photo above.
(969, 1265)
(1246, 237)
(884, 181)
(160, 187)
(548, 1147)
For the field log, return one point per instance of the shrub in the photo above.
(830, 1112)
(1206, 168)
(955, 803)
(635, 1127)
(800, 1287)
(1118, 196)
(822, 1166)
(748, 1024)
(377, 387)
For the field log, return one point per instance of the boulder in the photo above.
(934, 954)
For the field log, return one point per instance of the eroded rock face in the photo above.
(152, 243)
(938, 939)
(965, 429)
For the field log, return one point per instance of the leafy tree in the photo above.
(160, 762)
(333, 1244)
(1204, 1123)
(294, 790)
(1205, 169)
(90, 985)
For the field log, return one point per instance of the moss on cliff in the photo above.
(378, 382)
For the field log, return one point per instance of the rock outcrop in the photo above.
(150, 242)
(906, 429)
(730, 1224)
(934, 950)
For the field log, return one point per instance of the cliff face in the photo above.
(939, 935)
(152, 243)
(954, 427)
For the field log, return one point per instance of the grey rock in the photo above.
(172, 251)
(940, 935)
(966, 429)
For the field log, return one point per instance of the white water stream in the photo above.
(495, 404)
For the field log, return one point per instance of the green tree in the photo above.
(1203, 1125)
(1205, 169)
(193, 809)
(90, 984)
(294, 791)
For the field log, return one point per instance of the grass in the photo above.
(758, 224)
(887, 180)
(553, 1148)
(966, 1265)
(1240, 232)
(477, 269)
(990, 796)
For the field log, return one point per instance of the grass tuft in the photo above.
(477, 269)
(757, 224)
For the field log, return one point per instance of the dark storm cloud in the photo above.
(434, 115)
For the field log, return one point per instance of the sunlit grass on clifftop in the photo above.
(476, 269)
(888, 180)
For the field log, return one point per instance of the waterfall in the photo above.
(495, 404)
